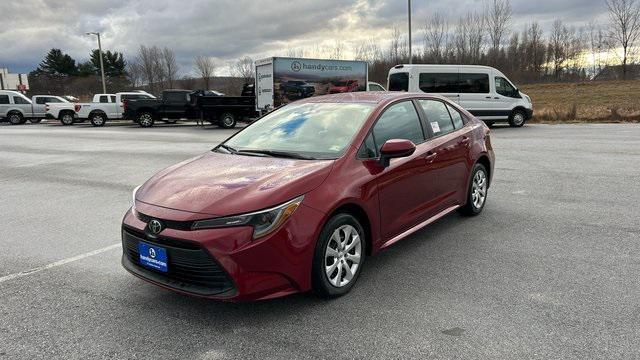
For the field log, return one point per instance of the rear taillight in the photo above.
(77, 107)
(46, 108)
(124, 104)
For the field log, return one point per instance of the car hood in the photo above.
(220, 184)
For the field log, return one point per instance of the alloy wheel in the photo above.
(145, 120)
(518, 118)
(67, 119)
(479, 189)
(342, 255)
(97, 120)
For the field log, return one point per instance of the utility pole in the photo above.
(410, 56)
(104, 84)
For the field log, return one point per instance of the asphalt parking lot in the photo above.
(551, 269)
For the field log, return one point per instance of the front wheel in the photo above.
(517, 118)
(98, 119)
(146, 120)
(35, 121)
(227, 120)
(339, 255)
(477, 192)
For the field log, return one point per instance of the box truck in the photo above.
(280, 80)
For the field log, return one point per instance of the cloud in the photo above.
(229, 29)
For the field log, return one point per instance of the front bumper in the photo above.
(238, 268)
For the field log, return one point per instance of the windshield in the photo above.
(315, 130)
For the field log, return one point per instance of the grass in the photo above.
(598, 101)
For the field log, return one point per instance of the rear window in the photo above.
(399, 82)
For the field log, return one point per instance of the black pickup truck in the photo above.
(173, 105)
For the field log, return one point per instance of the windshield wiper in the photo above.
(228, 148)
(275, 153)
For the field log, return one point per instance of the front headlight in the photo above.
(133, 200)
(263, 222)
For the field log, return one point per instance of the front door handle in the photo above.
(431, 156)
(465, 141)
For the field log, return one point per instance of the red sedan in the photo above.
(297, 200)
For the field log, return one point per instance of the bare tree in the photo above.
(337, 50)
(498, 15)
(135, 73)
(436, 38)
(468, 38)
(188, 82)
(368, 51)
(243, 68)
(624, 27)
(206, 68)
(150, 62)
(170, 66)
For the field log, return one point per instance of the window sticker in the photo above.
(435, 127)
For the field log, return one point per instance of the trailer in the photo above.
(281, 80)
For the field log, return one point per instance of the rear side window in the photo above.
(456, 117)
(474, 83)
(113, 98)
(399, 82)
(437, 116)
(104, 99)
(399, 121)
(444, 83)
(4, 99)
(19, 100)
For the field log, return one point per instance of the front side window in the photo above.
(19, 100)
(4, 99)
(444, 83)
(504, 87)
(41, 100)
(317, 130)
(53, 100)
(375, 87)
(399, 121)
(474, 83)
(456, 117)
(176, 97)
(399, 82)
(437, 116)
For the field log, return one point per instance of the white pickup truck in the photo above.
(63, 111)
(17, 108)
(106, 106)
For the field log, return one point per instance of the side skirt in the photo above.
(434, 218)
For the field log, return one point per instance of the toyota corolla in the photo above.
(299, 199)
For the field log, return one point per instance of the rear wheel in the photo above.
(34, 120)
(66, 118)
(146, 120)
(477, 192)
(15, 118)
(339, 256)
(227, 120)
(517, 118)
(98, 119)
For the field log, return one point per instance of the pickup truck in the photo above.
(15, 107)
(107, 106)
(224, 111)
(63, 111)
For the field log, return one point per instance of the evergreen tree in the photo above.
(114, 63)
(57, 63)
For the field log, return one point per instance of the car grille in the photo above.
(190, 267)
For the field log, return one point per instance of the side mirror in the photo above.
(395, 148)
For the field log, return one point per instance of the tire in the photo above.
(66, 118)
(517, 118)
(477, 192)
(35, 121)
(227, 120)
(146, 120)
(98, 119)
(15, 118)
(331, 283)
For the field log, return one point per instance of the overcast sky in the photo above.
(228, 29)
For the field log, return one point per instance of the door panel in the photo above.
(476, 93)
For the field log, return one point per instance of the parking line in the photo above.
(58, 263)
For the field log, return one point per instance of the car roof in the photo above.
(372, 97)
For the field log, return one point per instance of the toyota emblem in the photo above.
(155, 226)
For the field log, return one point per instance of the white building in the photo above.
(13, 81)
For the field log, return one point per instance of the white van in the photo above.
(482, 90)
